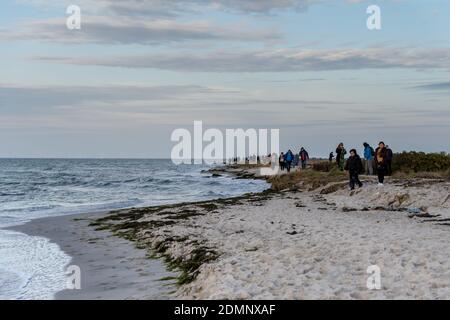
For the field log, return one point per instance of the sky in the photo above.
(139, 69)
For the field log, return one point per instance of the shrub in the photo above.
(421, 162)
(323, 166)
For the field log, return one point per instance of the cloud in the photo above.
(274, 60)
(437, 86)
(121, 106)
(107, 30)
(171, 8)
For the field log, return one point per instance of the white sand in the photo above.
(302, 245)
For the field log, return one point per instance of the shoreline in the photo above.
(282, 244)
(111, 268)
(313, 240)
(127, 272)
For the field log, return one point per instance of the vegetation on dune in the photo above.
(413, 161)
(405, 165)
(307, 179)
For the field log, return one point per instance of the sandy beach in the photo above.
(289, 244)
(303, 244)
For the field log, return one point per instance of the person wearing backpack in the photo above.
(304, 157)
(288, 158)
(354, 167)
(389, 157)
(369, 154)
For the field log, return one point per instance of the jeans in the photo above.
(369, 167)
(381, 173)
(303, 164)
(389, 168)
(288, 166)
(354, 179)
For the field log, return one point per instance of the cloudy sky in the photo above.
(138, 69)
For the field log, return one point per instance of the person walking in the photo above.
(281, 161)
(381, 162)
(288, 158)
(296, 160)
(304, 157)
(340, 156)
(330, 157)
(369, 153)
(389, 157)
(354, 166)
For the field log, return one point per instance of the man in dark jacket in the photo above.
(304, 157)
(389, 156)
(354, 166)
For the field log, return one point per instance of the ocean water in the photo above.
(32, 267)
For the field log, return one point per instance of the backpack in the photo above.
(372, 152)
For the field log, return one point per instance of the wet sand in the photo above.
(111, 267)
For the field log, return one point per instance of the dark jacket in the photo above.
(381, 156)
(304, 155)
(354, 164)
(389, 155)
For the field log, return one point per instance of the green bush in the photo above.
(421, 162)
(323, 166)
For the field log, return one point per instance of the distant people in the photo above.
(288, 158)
(369, 153)
(354, 166)
(340, 156)
(389, 157)
(281, 161)
(304, 157)
(331, 156)
(381, 162)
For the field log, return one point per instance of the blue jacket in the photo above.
(289, 157)
(368, 153)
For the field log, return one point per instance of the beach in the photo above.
(111, 267)
(288, 244)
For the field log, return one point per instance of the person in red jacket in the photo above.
(304, 157)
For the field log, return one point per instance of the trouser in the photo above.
(282, 165)
(288, 166)
(369, 167)
(354, 179)
(381, 173)
(303, 164)
(341, 164)
(389, 168)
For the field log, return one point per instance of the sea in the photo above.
(34, 268)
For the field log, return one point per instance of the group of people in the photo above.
(289, 159)
(382, 158)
